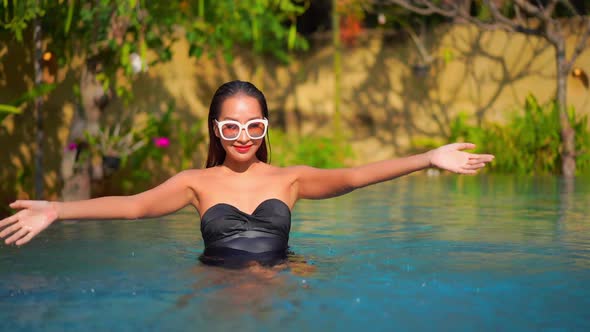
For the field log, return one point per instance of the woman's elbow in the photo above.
(355, 179)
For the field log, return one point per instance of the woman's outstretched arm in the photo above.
(316, 183)
(35, 216)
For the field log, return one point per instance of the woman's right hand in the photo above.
(33, 218)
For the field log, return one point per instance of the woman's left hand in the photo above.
(451, 158)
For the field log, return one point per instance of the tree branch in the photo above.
(569, 6)
(423, 7)
(548, 11)
(498, 17)
(517, 13)
(531, 9)
(427, 7)
(426, 57)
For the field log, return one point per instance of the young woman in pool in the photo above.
(245, 203)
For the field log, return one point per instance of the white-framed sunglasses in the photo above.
(230, 130)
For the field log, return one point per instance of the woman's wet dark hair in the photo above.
(216, 154)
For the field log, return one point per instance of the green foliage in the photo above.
(582, 141)
(112, 31)
(16, 15)
(530, 143)
(16, 106)
(37, 91)
(267, 25)
(139, 168)
(316, 151)
(114, 143)
(188, 137)
(423, 144)
(6, 110)
(447, 55)
(15, 185)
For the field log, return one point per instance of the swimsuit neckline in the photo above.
(246, 213)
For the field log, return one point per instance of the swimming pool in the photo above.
(418, 253)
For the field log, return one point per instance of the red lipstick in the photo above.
(243, 149)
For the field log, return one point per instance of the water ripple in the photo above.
(468, 253)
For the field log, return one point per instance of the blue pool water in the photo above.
(419, 253)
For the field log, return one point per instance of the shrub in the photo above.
(530, 143)
(316, 151)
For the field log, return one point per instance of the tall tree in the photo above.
(536, 18)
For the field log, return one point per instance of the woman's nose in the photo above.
(243, 137)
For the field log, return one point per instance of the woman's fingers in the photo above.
(467, 171)
(474, 166)
(25, 239)
(8, 220)
(21, 204)
(19, 234)
(463, 146)
(9, 230)
(481, 157)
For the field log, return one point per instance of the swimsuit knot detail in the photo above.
(231, 234)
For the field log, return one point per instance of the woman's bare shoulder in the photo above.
(199, 180)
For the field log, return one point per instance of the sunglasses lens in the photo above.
(230, 130)
(256, 129)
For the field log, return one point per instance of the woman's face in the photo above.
(240, 108)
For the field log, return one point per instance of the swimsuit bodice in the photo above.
(224, 226)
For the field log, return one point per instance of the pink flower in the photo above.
(161, 142)
(72, 146)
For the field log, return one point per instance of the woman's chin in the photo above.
(243, 157)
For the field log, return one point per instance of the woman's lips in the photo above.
(243, 149)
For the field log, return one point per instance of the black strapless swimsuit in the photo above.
(234, 238)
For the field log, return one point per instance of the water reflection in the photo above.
(251, 290)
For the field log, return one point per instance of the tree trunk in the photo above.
(568, 152)
(38, 54)
(76, 170)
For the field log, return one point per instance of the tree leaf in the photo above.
(9, 109)
(68, 23)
